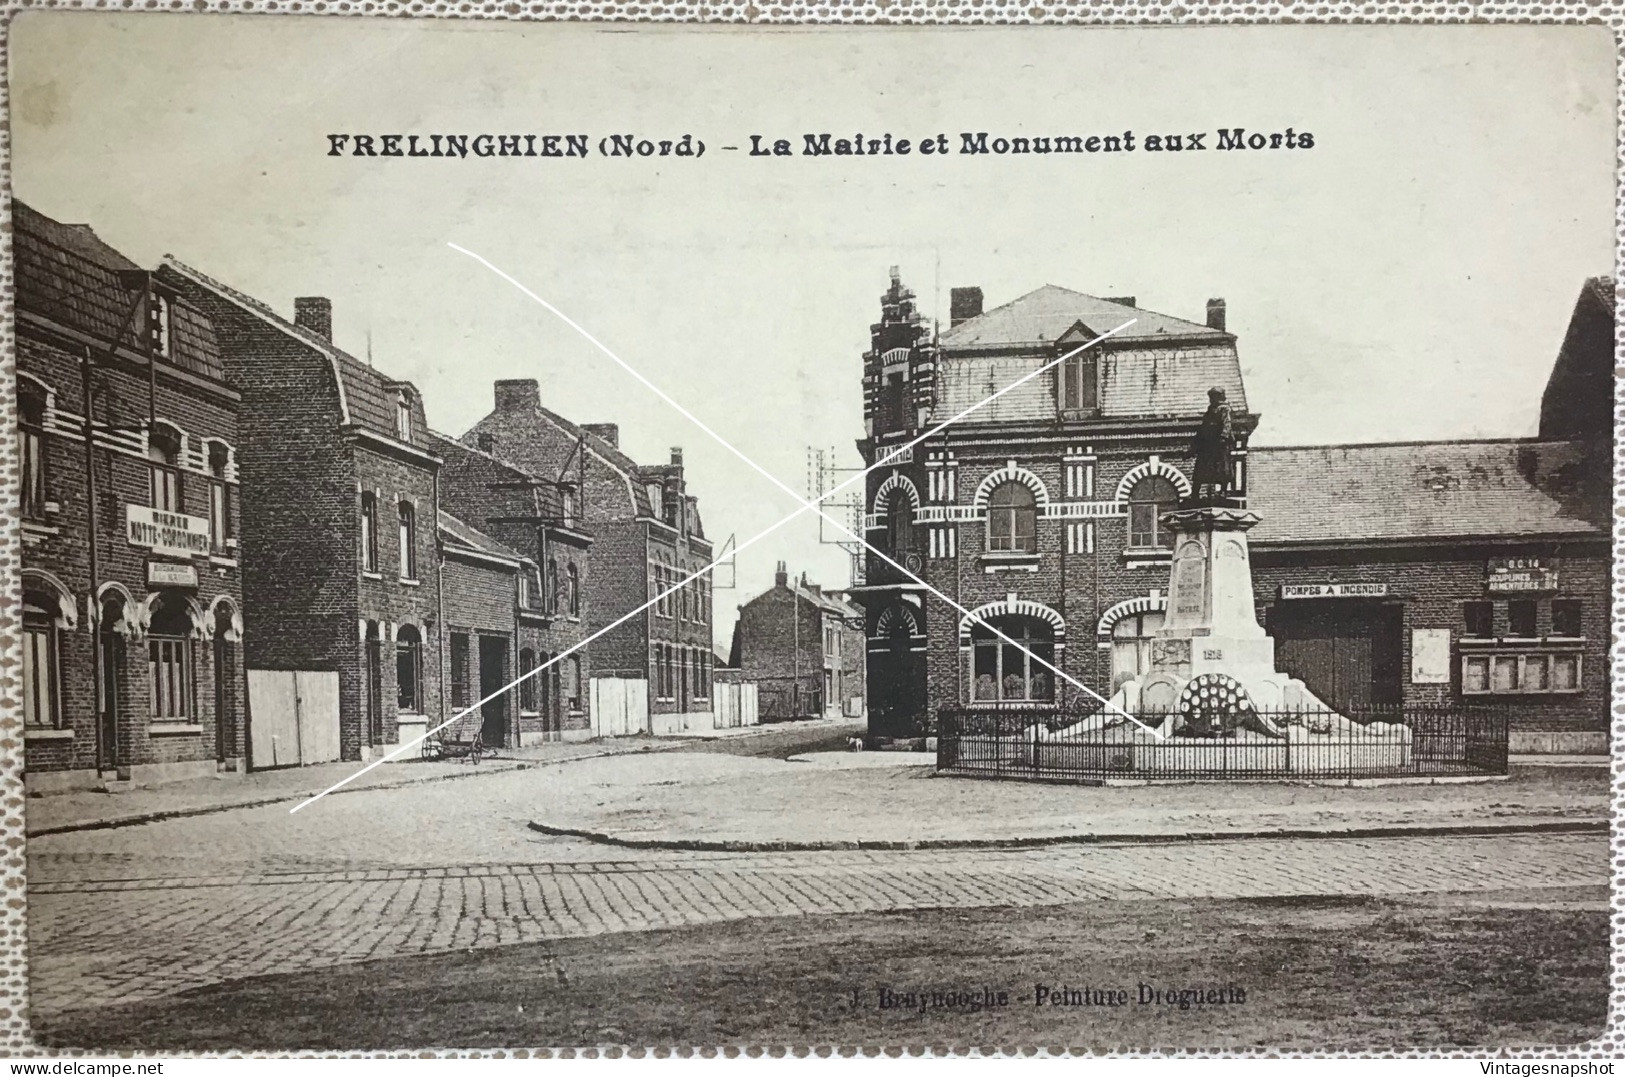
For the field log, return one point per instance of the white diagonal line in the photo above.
(805, 505)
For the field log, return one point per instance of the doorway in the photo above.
(493, 677)
(1348, 653)
(110, 656)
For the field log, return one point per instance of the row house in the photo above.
(1039, 513)
(804, 648)
(129, 441)
(343, 601)
(517, 572)
(647, 538)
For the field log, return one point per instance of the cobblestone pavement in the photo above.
(103, 941)
(144, 911)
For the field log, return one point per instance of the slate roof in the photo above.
(458, 533)
(369, 394)
(1424, 490)
(65, 272)
(1043, 315)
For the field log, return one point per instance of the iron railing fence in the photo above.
(1042, 743)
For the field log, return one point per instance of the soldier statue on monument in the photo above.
(1212, 483)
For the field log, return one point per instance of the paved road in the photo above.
(149, 910)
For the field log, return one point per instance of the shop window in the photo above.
(31, 446)
(1566, 618)
(1521, 619)
(409, 670)
(459, 669)
(171, 662)
(1479, 618)
(1520, 674)
(1014, 668)
(42, 703)
(369, 531)
(1132, 638)
(163, 456)
(1151, 497)
(220, 525)
(409, 541)
(1012, 518)
(1077, 384)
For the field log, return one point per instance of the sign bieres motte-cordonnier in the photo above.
(167, 532)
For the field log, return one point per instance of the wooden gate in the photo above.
(620, 706)
(734, 704)
(1348, 653)
(294, 717)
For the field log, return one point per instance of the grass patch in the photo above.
(1478, 970)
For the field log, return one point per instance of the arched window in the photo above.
(900, 523)
(527, 687)
(409, 670)
(42, 701)
(572, 588)
(1013, 669)
(171, 662)
(1012, 518)
(163, 453)
(551, 584)
(1151, 497)
(409, 537)
(219, 499)
(1132, 637)
(31, 431)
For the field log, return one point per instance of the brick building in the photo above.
(1041, 511)
(340, 504)
(1437, 573)
(647, 536)
(804, 649)
(132, 597)
(516, 596)
(1428, 573)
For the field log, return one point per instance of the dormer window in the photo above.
(403, 415)
(657, 500)
(161, 325)
(1077, 384)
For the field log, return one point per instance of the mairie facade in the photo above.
(1039, 511)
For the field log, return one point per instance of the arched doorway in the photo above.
(897, 674)
(110, 677)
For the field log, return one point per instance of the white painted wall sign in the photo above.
(1334, 590)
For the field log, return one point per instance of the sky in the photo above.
(1408, 278)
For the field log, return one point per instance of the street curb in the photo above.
(283, 798)
(700, 845)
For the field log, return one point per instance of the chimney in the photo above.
(781, 578)
(816, 588)
(963, 305)
(315, 313)
(676, 456)
(1215, 314)
(518, 394)
(608, 431)
(1121, 300)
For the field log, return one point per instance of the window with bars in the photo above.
(170, 662)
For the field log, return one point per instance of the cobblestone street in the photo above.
(145, 911)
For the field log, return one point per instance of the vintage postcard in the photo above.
(574, 536)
